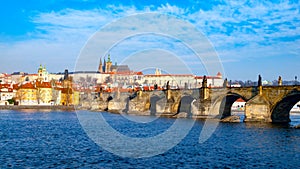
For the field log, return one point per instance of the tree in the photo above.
(20, 95)
(11, 101)
(55, 95)
(39, 94)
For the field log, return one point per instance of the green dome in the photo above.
(41, 67)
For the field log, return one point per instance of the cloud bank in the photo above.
(241, 31)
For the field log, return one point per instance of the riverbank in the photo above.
(37, 107)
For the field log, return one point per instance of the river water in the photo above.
(30, 139)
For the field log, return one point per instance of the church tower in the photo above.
(100, 68)
(108, 65)
(40, 73)
(157, 71)
(43, 74)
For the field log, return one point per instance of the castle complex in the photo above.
(108, 67)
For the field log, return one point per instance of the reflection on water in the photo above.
(295, 118)
(241, 114)
(56, 140)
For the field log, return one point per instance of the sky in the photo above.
(250, 37)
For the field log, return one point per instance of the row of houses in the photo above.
(123, 79)
(38, 93)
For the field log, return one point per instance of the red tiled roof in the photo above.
(208, 77)
(126, 73)
(32, 74)
(240, 100)
(4, 86)
(178, 75)
(43, 85)
(15, 86)
(27, 86)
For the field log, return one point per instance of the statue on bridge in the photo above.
(225, 84)
(168, 85)
(204, 82)
(259, 83)
(279, 81)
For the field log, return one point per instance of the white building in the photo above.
(296, 107)
(6, 92)
(238, 105)
(175, 80)
(182, 80)
(5, 78)
(212, 81)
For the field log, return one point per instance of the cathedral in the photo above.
(108, 67)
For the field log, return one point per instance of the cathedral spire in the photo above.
(108, 65)
(100, 68)
(104, 66)
(108, 58)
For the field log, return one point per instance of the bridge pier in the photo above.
(258, 109)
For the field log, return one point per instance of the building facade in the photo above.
(27, 94)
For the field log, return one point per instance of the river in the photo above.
(31, 139)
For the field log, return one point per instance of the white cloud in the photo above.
(238, 30)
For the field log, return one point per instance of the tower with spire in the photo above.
(100, 68)
(108, 64)
(42, 74)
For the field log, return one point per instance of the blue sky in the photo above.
(251, 37)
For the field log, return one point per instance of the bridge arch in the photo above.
(153, 103)
(185, 105)
(224, 103)
(281, 110)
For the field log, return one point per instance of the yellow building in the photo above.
(44, 93)
(69, 97)
(76, 96)
(27, 94)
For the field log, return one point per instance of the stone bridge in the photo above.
(263, 103)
